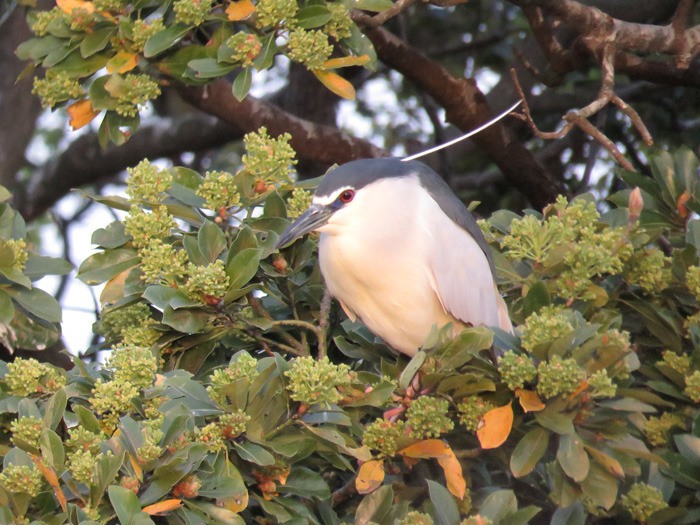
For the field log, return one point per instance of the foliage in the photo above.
(111, 57)
(232, 393)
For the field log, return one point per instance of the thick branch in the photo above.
(311, 141)
(84, 162)
(467, 108)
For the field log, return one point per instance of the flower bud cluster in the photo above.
(85, 440)
(601, 384)
(692, 278)
(642, 501)
(297, 204)
(244, 367)
(43, 20)
(81, 465)
(246, 47)
(316, 382)
(21, 479)
(427, 417)
(310, 48)
(56, 87)
(144, 226)
(142, 30)
(150, 448)
(81, 20)
(28, 376)
(219, 190)
(207, 283)
(162, 263)
(416, 518)
(234, 424)
(383, 436)
(148, 182)
(548, 324)
(26, 430)
(18, 249)
(133, 92)
(677, 362)
(130, 325)
(212, 435)
(657, 428)
(191, 12)
(268, 159)
(471, 410)
(649, 269)
(111, 399)
(109, 5)
(558, 376)
(277, 13)
(692, 386)
(516, 369)
(476, 520)
(340, 24)
(135, 365)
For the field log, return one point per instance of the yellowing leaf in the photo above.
(50, 476)
(335, 83)
(163, 507)
(453, 475)
(428, 448)
(495, 427)
(81, 113)
(608, 462)
(138, 471)
(122, 62)
(370, 476)
(529, 400)
(240, 10)
(114, 289)
(67, 6)
(335, 63)
(235, 503)
(583, 386)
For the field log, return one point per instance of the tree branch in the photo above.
(323, 144)
(467, 108)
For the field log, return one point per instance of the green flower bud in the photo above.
(142, 30)
(316, 382)
(145, 227)
(692, 278)
(150, 449)
(692, 386)
(246, 48)
(191, 12)
(416, 518)
(211, 435)
(81, 465)
(242, 366)
(268, 159)
(207, 284)
(28, 376)
(340, 24)
(649, 269)
(298, 203)
(133, 91)
(43, 19)
(26, 430)
(110, 400)
(602, 385)
(134, 365)
(85, 440)
(559, 376)
(383, 436)
(279, 13)
(18, 249)
(148, 182)
(471, 410)
(162, 263)
(427, 417)
(21, 479)
(642, 501)
(548, 324)
(234, 424)
(678, 362)
(657, 428)
(310, 48)
(219, 190)
(516, 370)
(57, 87)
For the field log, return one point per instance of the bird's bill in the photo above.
(313, 218)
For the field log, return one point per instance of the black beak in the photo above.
(313, 218)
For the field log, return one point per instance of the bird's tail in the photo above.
(504, 321)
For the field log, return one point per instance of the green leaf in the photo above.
(165, 39)
(537, 297)
(600, 487)
(572, 515)
(444, 506)
(412, 368)
(102, 266)
(211, 241)
(175, 64)
(572, 457)
(242, 267)
(39, 266)
(692, 235)
(498, 505)
(369, 5)
(306, 483)
(55, 408)
(313, 16)
(375, 507)
(38, 303)
(689, 446)
(267, 55)
(275, 206)
(4, 194)
(87, 419)
(76, 65)
(96, 41)
(7, 310)
(554, 419)
(242, 83)
(111, 236)
(529, 451)
(201, 68)
(186, 320)
(126, 504)
(254, 453)
(52, 450)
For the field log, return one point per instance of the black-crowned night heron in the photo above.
(401, 252)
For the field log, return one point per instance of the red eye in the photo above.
(346, 196)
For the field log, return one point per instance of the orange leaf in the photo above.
(235, 503)
(608, 462)
(453, 474)
(163, 506)
(335, 83)
(335, 63)
(240, 10)
(529, 400)
(680, 205)
(370, 476)
(138, 471)
(67, 6)
(114, 289)
(50, 476)
(428, 448)
(122, 62)
(495, 426)
(583, 386)
(81, 113)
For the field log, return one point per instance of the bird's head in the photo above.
(340, 191)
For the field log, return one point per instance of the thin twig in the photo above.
(258, 308)
(323, 323)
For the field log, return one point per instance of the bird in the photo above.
(401, 252)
